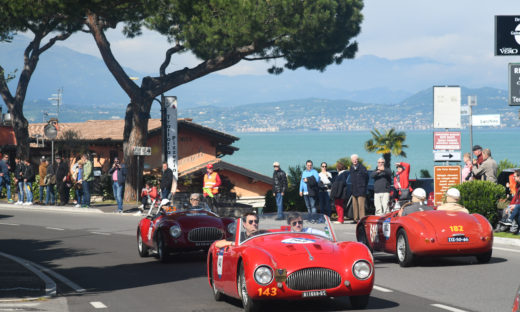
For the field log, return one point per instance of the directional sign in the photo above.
(446, 156)
(444, 177)
(446, 140)
(486, 120)
(514, 84)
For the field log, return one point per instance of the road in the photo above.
(96, 254)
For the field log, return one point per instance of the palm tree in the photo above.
(388, 143)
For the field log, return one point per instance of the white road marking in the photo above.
(448, 308)
(60, 277)
(98, 305)
(53, 228)
(100, 233)
(506, 249)
(2, 223)
(381, 289)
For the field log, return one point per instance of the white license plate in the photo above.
(314, 293)
(458, 239)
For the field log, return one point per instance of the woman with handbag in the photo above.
(402, 181)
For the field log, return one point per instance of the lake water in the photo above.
(258, 151)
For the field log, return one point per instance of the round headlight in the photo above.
(263, 275)
(175, 231)
(362, 270)
(231, 227)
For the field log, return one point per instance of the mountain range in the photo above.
(365, 92)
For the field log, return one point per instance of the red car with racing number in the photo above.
(171, 230)
(428, 233)
(280, 264)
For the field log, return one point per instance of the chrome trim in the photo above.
(313, 278)
(263, 266)
(205, 234)
(368, 276)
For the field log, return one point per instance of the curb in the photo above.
(52, 208)
(506, 241)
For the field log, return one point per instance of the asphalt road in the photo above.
(96, 254)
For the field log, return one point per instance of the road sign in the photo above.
(486, 120)
(446, 140)
(464, 110)
(446, 156)
(142, 151)
(507, 35)
(446, 107)
(514, 84)
(444, 177)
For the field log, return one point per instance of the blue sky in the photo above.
(458, 34)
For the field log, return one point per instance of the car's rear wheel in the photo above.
(249, 304)
(361, 236)
(405, 256)
(162, 251)
(485, 257)
(359, 302)
(144, 251)
(216, 294)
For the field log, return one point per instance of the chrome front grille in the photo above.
(313, 278)
(205, 234)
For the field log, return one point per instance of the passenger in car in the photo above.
(452, 199)
(417, 203)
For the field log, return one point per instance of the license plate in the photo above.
(458, 239)
(315, 293)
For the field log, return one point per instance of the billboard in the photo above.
(446, 107)
(514, 84)
(507, 35)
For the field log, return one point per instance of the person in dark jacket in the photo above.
(118, 173)
(62, 171)
(50, 177)
(279, 188)
(5, 178)
(359, 180)
(28, 179)
(166, 181)
(382, 180)
(18, 179)
(339, 191)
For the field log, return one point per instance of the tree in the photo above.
(388, 143)
(309, 34)
(49, 22)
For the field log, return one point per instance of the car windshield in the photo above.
(299, 225)
(178, 205)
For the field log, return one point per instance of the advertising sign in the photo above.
(171, 134)
(446, 108)
(444, 177)
(446, 140)
(514, 84)
(485, 120)
(507, 35)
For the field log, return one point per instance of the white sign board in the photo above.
(446, 156)
(171, 134)
(485, 120)
(464, 110)
(142, 151)
(446, 108)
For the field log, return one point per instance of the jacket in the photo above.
(152, 193)
(211, 182)
(359, 180)
(307, 174)
(167, 179)
(402, 180)
(339, 188)
(312, 186)
(4, 168)
(42, 171)
(121, 174)
(29, 173)
(382, 180)
(279, 181)
(87, 171)
(487, 170)
(61, 172)
(18, 171)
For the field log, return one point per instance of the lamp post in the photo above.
(472, 101)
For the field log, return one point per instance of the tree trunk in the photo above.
(21, 131)
(388, 158)
(135, 134)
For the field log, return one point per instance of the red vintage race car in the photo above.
(171, 230)
(428, 233)
(280, 264)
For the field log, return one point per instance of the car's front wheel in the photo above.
(405, 256)
(162, 251)
(249, 304)
(144, 251)
(359, 302)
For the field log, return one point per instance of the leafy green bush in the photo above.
(505, 164)
(482, 197)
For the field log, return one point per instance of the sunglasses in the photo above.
(294, 223)
(252, 221)
(324, 166)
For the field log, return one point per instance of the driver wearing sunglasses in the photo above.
(250, 222)
(295, 220)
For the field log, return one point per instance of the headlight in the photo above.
(175, 231)
(263, 275)
(231, 227)
(362, 270)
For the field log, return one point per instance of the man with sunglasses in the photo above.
(250, 221)
(295, 220)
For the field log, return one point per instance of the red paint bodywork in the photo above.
(188, 220)
(268, 249)
(428, 232)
